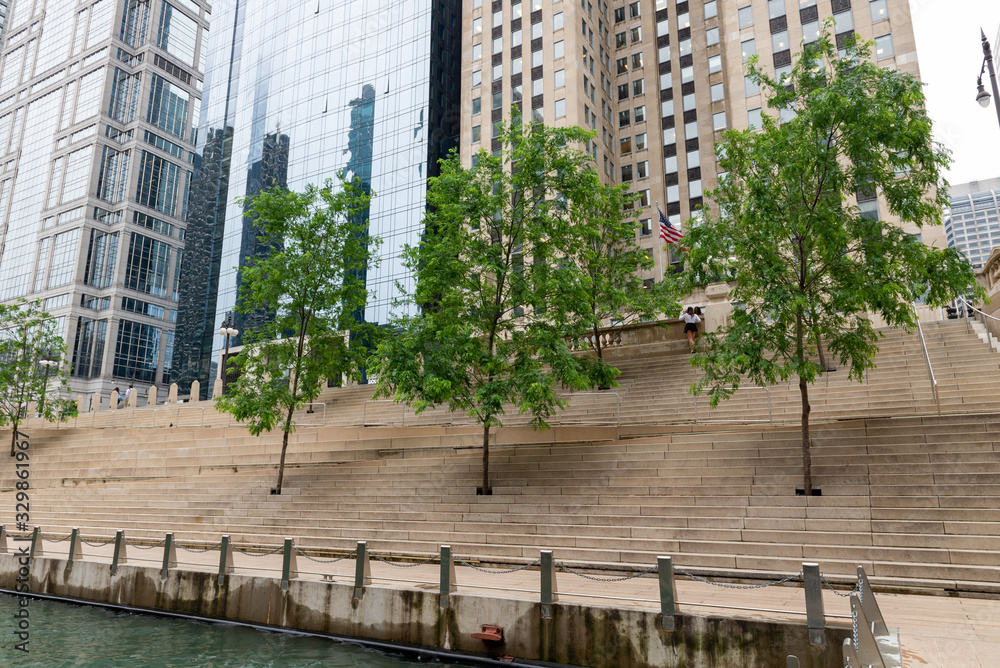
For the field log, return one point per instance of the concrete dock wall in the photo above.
(576, 633)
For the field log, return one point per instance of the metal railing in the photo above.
(930, 368)
(990, 322)
(770, 414)
(126, 551)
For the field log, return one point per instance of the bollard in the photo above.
(815, 618)
(791, 661)
(289, 565)
(36, 544)
(120, 557)
(169, 555)
(3, 539)
(73, 538)
(668, 592)
(362, 571)
(448, 581)
(549, 592)
(225, 560)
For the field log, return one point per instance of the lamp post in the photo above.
(227, 330)
(48, 364)
(982, 97)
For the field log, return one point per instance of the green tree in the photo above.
(312, 288)
(491, 286)
(606, 257)
(27, 338)
(808, 262)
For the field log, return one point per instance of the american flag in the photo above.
(668, 232)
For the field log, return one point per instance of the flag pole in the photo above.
(660, 246)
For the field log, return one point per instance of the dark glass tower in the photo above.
(293, 93)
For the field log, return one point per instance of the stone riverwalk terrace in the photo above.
(910, 489)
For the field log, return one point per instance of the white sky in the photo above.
(950, 53)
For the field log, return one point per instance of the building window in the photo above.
(883, 46)
(497, 72)
(168, 106)
(633, 10)
(712, 36)
(710, 9)
(718, 92)
(619, 14)
(691, 130)
(746, 16)
(177, 34)
(559, 78)
(879, 10)
(621, 65)
(754, 118)
(638, 87)
(477, 78)
(620, 40)
(537, 87)
(844, 22)
(689, 102)
(477, 26)
(687, 74)
(714, 64)
(557, 21)
(642, 169)
(637, 61)
(88, 347)
(101, 255)
(64, 256)
(477, 51)
(749, 48)
(158, 179)
(719, 121)
(635, 34)
(640, 114)
(624, 118)
(497, 100)
(477, 105)
(779, 41)
(750, 87)
(498, 45)
(775, 8)
(560, 108)
(135, 23)
(626, 173)
(515, 66)
(559, 50)
(137, 351)
(810, 32)
(693, 159)
(477, 131)
(147, 266)
(497, 19)
(640, 141)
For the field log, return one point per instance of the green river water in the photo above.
(63, 634)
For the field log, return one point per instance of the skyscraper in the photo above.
(658, 80)
(294, 92)
(972, 223)
(98, 108)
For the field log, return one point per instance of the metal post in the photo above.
(867, 600)
(668, 592)
(988, 57)
(867, 649)
(225, 560)
(120, 557)
(815, 619)
(169, 555)
(36, 544)
(75, 536)
(851, 659)
(448, 581)
(289, 565)
(362, 570)
(549, 592)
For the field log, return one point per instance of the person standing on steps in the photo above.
(128, 393)
(691, 320)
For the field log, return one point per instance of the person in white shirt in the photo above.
(691, 320)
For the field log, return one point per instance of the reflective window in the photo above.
(113, 175)
(559, 78)
(102, 252)
(64, 254)
(712, 36)
(147, 264)
(714, 64)
(137, 351)
(718, 92)
(719, 121)
(883, 46)
(810, 32)
(879, 10)
(746, 16)
(168, 106)
(775, 8)
(710, 9)
(135, 22)
(560, 108)
(779, 41)
(749, 48)
(640, 141)
(157, 187)
(558, 50)
(88, 347)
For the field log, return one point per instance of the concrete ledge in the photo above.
(578, 634)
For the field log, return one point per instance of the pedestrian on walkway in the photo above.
(691, 320)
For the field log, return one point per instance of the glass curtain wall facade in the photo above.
(293, 93)
(972, 224)
(97, 135)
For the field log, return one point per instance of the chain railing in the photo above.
(547, 591)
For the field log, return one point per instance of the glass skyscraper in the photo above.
(295, 91)
(98, 118)
(972, 223)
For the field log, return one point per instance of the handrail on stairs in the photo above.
(930, 368)
(979, 312)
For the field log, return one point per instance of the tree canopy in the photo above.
(494, 288)
(814, 221)
(27, 339)
(311, 288)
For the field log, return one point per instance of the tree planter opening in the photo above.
(274, 491)
(816, 491)
(479, 492)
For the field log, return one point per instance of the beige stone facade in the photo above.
(657, 80)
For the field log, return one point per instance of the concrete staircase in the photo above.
(915, 499)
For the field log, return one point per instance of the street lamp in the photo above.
(982, 97)
(227, 330)
(48, 364)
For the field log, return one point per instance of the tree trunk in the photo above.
(806, 458)
(486, 459)
(284, 448)
(13, 439)
(819, 351)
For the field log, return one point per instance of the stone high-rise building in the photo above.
(98, 118)
(658, 80)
